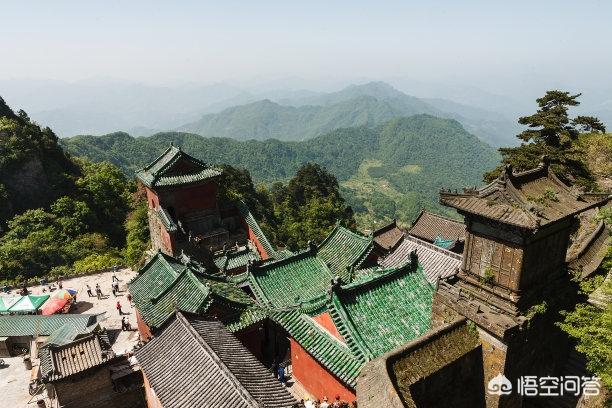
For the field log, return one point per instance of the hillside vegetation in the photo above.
(59, 214)
(421, 154)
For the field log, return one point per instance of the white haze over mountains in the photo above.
(100, 106)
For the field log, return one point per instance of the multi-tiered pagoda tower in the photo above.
(514, 278)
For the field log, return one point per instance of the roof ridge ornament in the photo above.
(336, 284)
(312, 247)
(414, 258)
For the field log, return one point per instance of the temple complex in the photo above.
(405, 315)
(187, 217)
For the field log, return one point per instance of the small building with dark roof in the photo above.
(87, 373)
(439, 230)
(197, 362)
(437, 262)
(388, 236)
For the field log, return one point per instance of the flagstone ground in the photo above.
(14, 378)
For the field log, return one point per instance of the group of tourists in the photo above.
(99, 294)
(325, 403)
(125, 324)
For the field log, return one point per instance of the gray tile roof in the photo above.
(388, 236)
(528, 199)
(589, 255)
(59, 362)
(436, 262)
(428, 226)
(195, 362)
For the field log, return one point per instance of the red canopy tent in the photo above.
(53, 305)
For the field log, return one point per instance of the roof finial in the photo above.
(414, 258)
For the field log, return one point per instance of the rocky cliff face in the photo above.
(34, 170)
(26, 186)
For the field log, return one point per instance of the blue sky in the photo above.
(210, 41)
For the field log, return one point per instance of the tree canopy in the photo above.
(553, 134)
(58, 213)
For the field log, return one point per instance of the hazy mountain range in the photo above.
(304, 117)
(278, 109)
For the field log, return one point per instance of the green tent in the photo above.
(28, 304)
(6, 302)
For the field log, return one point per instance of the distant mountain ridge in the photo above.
(301, 118)
(388, 170)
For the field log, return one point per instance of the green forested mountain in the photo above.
(357, 105)
(389, 170)
(266, 119)
(57, 212)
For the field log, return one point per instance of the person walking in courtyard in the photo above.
(115, 279)
(89, 291)
(119, 308)
(113, 289)
(98, 291)
(129, 298)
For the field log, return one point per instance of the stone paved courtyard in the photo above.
(14, 378)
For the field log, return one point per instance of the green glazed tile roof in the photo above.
(325, 348)
(166, 220)
(298, 278)
(383, 310)
(283, 253)
(244, 318)
(29, 325)
(236, 259)
(164, 285)
(163, 170)
(342, 249)
(291, 280)
(252, 223)
(64, 335)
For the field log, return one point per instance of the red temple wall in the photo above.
(253, 238)
(152, 198)
(325, 320)
(317, 380)
(152, 400)
(191, 199)
(167, 242)
(143, 329)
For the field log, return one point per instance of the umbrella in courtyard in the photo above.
(64, 294)
(53, 305)
(28, 304)
(6, 302)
